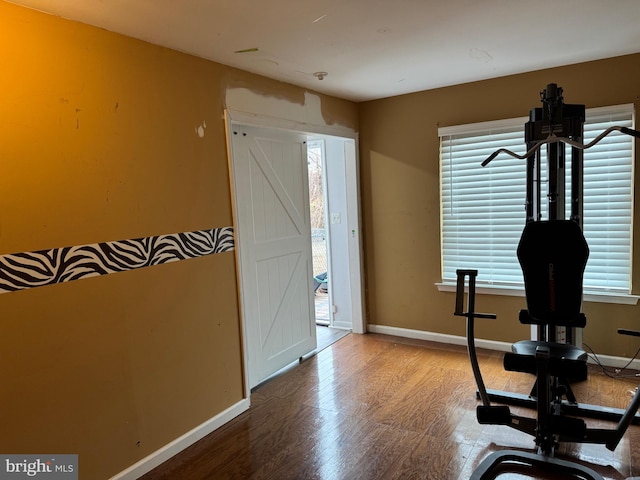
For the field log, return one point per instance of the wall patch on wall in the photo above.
(19, 271)
(200, 129)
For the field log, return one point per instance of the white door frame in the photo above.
(355, 248)
(338, 166)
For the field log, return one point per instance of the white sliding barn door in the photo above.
(271, 192)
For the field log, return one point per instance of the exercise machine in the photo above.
(552, 254)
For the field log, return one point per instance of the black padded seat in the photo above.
(562, 351)
(566, 361)
(577, 320)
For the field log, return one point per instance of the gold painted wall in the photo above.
(400, 193)
(98, 142)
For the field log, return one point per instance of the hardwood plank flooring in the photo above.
(378, 407)
(326, 336)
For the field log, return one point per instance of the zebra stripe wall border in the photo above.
(19, 271)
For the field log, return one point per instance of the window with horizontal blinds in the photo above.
(483, 213)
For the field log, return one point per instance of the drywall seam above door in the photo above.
(24, 270)
(248, 107)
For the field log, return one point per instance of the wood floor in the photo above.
(379, 407)
(327, 336)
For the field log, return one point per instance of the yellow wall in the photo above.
(400, 189)
(98, 142)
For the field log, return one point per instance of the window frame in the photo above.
(517, 289)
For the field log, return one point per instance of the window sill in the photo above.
(622, 299)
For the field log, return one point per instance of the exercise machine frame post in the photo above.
(555, 118)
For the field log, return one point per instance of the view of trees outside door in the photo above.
(318, 227)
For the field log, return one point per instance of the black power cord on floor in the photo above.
(612, 372)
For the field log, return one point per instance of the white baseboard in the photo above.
(171, 449)
(606, 360)
(438, 337)
(616, 362)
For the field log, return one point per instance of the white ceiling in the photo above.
(373, 48)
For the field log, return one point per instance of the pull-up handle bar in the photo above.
(553, 139)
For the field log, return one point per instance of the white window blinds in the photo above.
(483, 213)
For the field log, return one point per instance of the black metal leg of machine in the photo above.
(490, 466)
(570, 407)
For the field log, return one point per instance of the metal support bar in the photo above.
(488, 468)
(471, 315)
(576, 409)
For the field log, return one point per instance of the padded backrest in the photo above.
(553, 255)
